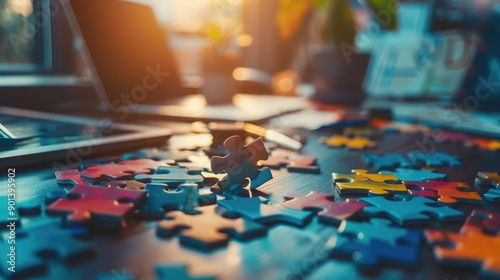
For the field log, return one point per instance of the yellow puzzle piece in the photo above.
(360, 181)
(356, 143)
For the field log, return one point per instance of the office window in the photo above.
(24, 36)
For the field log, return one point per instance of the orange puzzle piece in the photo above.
(445, 192)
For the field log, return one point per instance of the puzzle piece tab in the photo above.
(172, 175)
(329, 211)
(492, 195)
(377, 242)
(415, 210)
(208, 230)
(99, 205)
(363, 182)
(162, 198)
(435, 159)
(356, 143)
(388, 161)
(45, 239)
(241, 163)
(406, 174)
(111, 171)
(253, 208)
(470, 248)
(71, 177)
(445, 192)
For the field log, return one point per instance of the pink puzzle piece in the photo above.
(70, 177)
(330, 211)
(482, 221)
(445, 192)
(112, 172)
(107, 206)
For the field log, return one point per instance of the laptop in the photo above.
(130, 54)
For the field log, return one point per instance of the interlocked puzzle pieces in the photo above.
(172, 175)
(254, 209)
(177, 272)
(70, 177)
(406, 174)
(388, 161)
(356, 143)
(363, 182)
(99, 205)
(111, 171)
(207, 230)
(241, 163)
(415, 210)
(469, 247)
(490, 179)
(435, 159)
(446, 192)
(328, 210)
(44, 239)
(377, 242)
(162, 198)
(302, 164)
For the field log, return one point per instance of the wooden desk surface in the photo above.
(287, 252)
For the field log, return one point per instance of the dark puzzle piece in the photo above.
(328, 210)
(375, 243)
(414, 210)
(97, 205)
(435, 159)
(159, 154)
(208, 230)
(111, 172)
(71, 177)
(406, 174)
(173, 175)
(253, 208)
(29, 208)
(387, 161)
(299, 164)
(162, 198)
(125, 184)
(177, 272)
(469, 248)
(491, 179)
(360, 181)
(445, 192)
(34, 243)
(482, 221)
(241, 164)
(52, 196)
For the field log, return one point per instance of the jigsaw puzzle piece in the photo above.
(491, 179)
(173, 176)
(435, 159)
(441, 136)
(492, 145)
(162, 198)
(492, 195)
(177, 272)
(299, 164)
(406, 174)
(208, 230)
(482, 221)
(363, 182)
(387, 161)
(467, 249)
(71, 177)
(356, 143)
(101, 206)
(328, 210)
(111, 172)
(376, 243)
(253, 208)
(125, 184)
(415, 210)
(42, 240)
(445, 192)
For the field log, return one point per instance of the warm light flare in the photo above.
(23, 7)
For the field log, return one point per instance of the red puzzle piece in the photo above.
(330, 211)
(446, 192)
(112, 172)
(97, 204)
(71, 177)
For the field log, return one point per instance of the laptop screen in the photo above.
(129, 51)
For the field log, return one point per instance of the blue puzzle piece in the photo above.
(435, 159)
(388, 161)
(492, 195)
(414, 210)
(406, 174)
(172, 175)
(254, 209)
(376, 229)
(177, 272)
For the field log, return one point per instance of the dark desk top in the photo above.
(287, 252)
